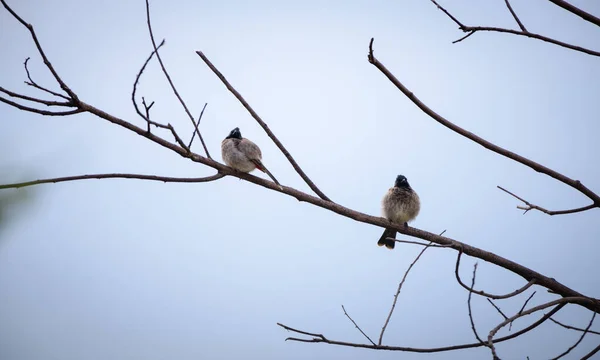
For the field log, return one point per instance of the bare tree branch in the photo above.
(164, 179)
(577, 11)
(482, 293)
(473, 29)
(39, 111)
(162, 66)
(358, 327)
(319, 338)
(473, 328)
(264, 126)
(576, 184)
(35, 85)
(564, 300)
(585, 331)
(36, 100)
(196, 124)
(531, 206)
(497, 308)
(512, 12)
(29, 27)
(573, 327)
(145, 116)
(591, 353)
(387, 320)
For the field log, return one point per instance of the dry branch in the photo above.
(576, 184)
(470, 30)
(265, 127)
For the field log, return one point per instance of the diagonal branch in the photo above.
(565, 300)
(35, 85)
(29, 27)
(573, 327)
(387, 320)
(472, 29)
(264, 126)
(162, 66)
(576, 184)
(39, 111)
(356, 325)
(531, 206)
(577, 11)
(512, 12)
(196, 124)
(36, 100)
(164, 179)
(136, 82)
(528, 274)
(591, 353)
(585, 331)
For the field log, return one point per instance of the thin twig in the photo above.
(63, 86)
(356, 325)
(469, 306)
(565, 300)
(483, 293)
(39, 111)
(522, 308)
(196, 124)
(113, 176)
(497, 308)
(387, 320)
(515, 16)
(531, 206)
(572, 327)
(162, 66)
(32, 99)
(264, 126)
(576, 184)
(319, 338)
(35, 85)
(585, 331)
(137, 80)
(473, 29)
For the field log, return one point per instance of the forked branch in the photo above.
(470, 30)
(576, 184)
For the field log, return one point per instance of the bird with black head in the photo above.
(400, 205)
(242, 154)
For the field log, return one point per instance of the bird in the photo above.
(242, 154)
(400, 205)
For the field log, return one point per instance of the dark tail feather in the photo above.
(388, 233)
(272, 177)
(260, 166)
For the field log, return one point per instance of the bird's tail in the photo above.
(388, 233)
(260, 166)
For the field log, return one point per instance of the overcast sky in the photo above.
(126, 269)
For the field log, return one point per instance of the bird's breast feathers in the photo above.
(400, 205)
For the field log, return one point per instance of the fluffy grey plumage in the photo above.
(242, 154)
(400, 205)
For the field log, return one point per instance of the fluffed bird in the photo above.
(400, 204)
(242, 154)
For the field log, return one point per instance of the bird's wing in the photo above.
(250, 149)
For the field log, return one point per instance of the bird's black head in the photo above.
(401, 182)
(234, 134)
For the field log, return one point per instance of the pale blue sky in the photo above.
(121, 269)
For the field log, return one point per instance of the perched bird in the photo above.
(242, 154)
(400, 205)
